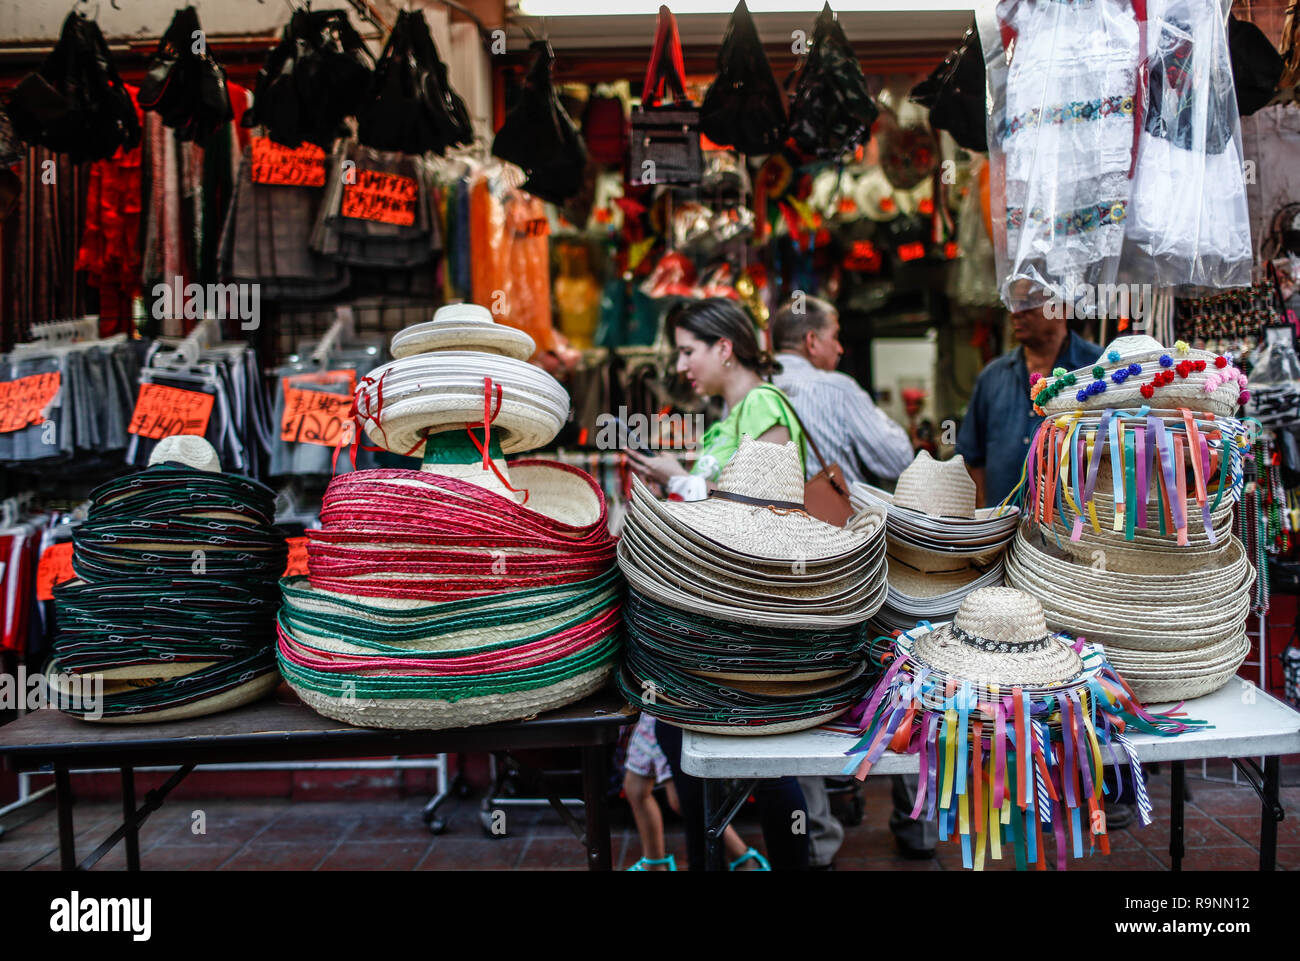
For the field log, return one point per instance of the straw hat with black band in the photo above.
(1009, 721)
(941, 547)
(174, 602)
(745, 615)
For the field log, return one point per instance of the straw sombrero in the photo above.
(1009, 720)
(186, 450)
(174, 601)
(1135, 371)
(745, 614)
(462, 327)
(401, 403)
(756, 512)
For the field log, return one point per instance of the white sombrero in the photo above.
(428, 393)
(463, 327)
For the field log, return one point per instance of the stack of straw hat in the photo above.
(174, 600)
(1009, 720)
(746, 615)
(1128, 535)
(473, 590)
(941, 548)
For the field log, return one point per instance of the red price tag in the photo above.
(164, 411)
(273, 163)
(55, 567)
(23, 402)
(297, 556)
(385, 198)
(313, 417)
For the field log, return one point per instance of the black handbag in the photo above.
(75, 103)
(187, 89)
(954, 94)
(665, 140)
(744, 107)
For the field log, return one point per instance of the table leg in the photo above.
(1270, 816)
(1178, 779)
(129, 819)
(595, 784)
(63, 799)
(713, 803)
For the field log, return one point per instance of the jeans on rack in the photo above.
(778, 799)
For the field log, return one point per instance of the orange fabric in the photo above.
(510, 260)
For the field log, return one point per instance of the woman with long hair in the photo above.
(719, 354)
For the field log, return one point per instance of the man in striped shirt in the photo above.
(850, 431)
(841, 417)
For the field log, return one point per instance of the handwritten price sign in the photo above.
(164, 411)
(55, 567)
(384, 198)
(274, 163)
(23, 401)
(313, 417)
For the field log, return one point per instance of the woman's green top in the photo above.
(762, 408)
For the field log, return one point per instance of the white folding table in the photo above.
(1243, 723)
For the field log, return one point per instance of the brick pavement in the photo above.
(1222, 833)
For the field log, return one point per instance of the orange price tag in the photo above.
(344, 376)
(55, 567)
(297, 556)
(385, 198)
(23, 401)
(162, 411)
(313, 417)
(273, 163)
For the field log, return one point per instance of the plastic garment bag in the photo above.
(539, 136)
(831, 110)
(743, 107)
(1114, 147)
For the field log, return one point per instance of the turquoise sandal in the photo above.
(646, 863)
(750, 855)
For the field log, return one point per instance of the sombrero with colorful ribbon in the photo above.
(175, 598)
(1012, 724)
(1147, 469)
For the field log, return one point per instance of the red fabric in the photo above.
(110, 243)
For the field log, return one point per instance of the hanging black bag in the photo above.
(539, 137)
(75, 103)
(954, 94)
(831, 110)
(187, 89)
(665, 141)
(743, 107)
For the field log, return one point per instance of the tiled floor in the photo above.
(1222, 833)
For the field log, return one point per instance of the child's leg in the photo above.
(645, 810)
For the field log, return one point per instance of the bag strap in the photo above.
(785, 402)
(666, 36)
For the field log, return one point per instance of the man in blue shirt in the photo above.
(1000, 420)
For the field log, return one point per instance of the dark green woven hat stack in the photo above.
(175, 598)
